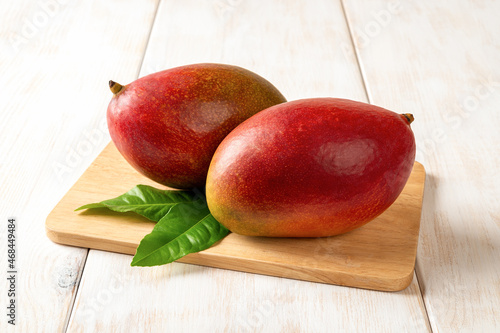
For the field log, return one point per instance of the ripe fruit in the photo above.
(167, 125)
(310, 168)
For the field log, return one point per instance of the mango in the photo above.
(167, 125)
(310, 168)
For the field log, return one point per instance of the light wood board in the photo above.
(295, 45)
(56, 58)
(380, 255)
(439, 61)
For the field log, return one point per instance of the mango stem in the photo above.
(409, 117)
(115, 87)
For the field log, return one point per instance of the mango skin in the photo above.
(167, 125)
(310, 168)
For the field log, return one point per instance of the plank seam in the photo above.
(69, 316)
(423, 300)
(358, 58)
(149, 38)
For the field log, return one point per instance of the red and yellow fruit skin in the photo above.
(310, 168)
(167, 125)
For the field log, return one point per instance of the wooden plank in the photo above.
(55, 60)
(379, 256)
(190, 298)
(297, 50)
(439, 61)
(296, 46)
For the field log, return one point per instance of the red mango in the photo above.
(167, 125)
(310, 168)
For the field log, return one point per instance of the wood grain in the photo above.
(306, 51)
(53, 92)
(380, 255)
(306, 55)
(55, 60)
(189, 298)
(438, 60)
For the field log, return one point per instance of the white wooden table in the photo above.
(436, 59)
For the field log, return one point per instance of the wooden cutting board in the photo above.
(380, 255)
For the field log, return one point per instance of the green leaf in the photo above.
(148, 201)
(187, 228)
(184, 226)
